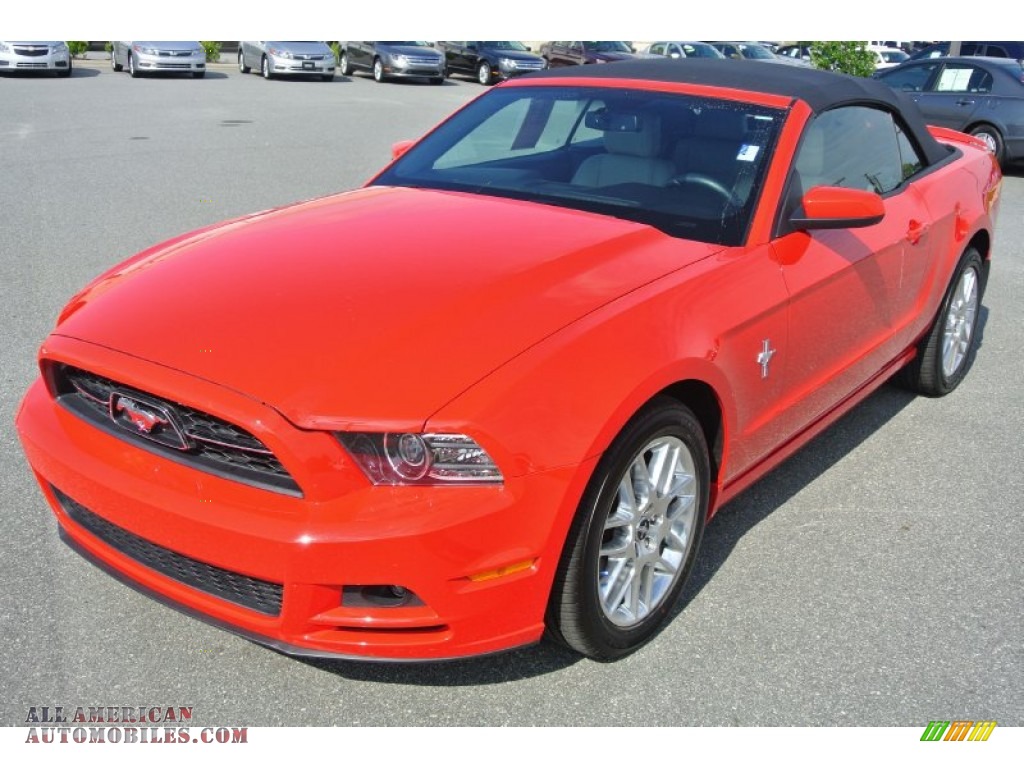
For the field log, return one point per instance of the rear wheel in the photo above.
(113, 63)
(636, 535)
(992, 138)
(241, 64)
(946, 353)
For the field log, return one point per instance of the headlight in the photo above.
(505, 63)
(399, 60)
(279, 53)
(59, 48)
(147, 51)
(391, 458)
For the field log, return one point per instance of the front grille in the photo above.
(174, 53)
(31, 65)
(423, 61)
(256, 594)
(170, 65)
(34, 51)
(211, 444)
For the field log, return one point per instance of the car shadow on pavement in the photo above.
(724, 532)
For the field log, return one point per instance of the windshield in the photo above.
(756, 52)
(606, 46)
(504, 45)
(690, 166)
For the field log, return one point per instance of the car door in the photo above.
(956, 95)
(847, 286)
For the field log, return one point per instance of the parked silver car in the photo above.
(684, 49)
(44, 56)
(273, 58)
(142, 57)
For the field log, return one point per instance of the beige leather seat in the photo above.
(631, 156)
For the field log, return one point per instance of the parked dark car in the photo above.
(999, 50)
(388, 59)
(489, 60)
(565, 53)
(978, 95)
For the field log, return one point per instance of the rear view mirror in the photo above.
(399, 148)
(613, 122)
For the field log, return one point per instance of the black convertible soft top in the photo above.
(819, 89)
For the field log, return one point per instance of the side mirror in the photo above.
(673, 55)
(399, 148)
(838, 208)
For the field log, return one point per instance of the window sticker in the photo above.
(748, 152)
(954, 79)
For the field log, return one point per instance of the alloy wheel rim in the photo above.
(483, 74)
(648, 532)
(963, 309)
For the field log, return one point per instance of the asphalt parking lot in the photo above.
(874, 579)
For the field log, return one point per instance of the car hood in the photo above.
(373, 306)
(611, 56)
(299, 47)
(509, 53)
(409, 50)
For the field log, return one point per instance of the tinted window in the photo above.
(910, 158)
(852, 147)
(913, 78)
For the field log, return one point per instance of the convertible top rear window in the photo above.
(690, 166)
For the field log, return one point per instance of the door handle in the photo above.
(915, 231)
(965, 102)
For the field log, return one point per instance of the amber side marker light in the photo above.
(505, 570)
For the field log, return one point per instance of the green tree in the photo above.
(849, 56)
(212, 49)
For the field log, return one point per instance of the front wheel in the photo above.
(132, 69)
(636, 535)
(947, 351)
(378, 70)
(483, 73)
(344, 66)
(265, 69)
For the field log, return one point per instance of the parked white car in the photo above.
(887, 57)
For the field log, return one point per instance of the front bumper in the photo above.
(300, 574)
(411, 67)
(505, 70)
(12, 61)
(169, 61)
(283, 66)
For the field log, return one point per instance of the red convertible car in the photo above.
(499, 391)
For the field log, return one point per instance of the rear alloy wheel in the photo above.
(241, 64)
(378, 71)
(636, 535)
(113, 63)
(483, 73)
(992, 138)
(946, 353)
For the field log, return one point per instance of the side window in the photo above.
(996, 50)
(913, 79)
(852, 147)
(658, 49)
(963, 78)
(910, 158)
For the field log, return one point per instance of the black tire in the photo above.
(241, 64)
(378, 70)
(945, 354)
(65, 72)
(198, 75)
(437, 80)
(131, 67)
(583, 612)
(344, 66)
(114, 65)
(991, 136)
(327, 78)
(265, 69)
(483, 73)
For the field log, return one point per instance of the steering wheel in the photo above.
(702, 180)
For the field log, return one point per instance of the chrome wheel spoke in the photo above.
(959, 323)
